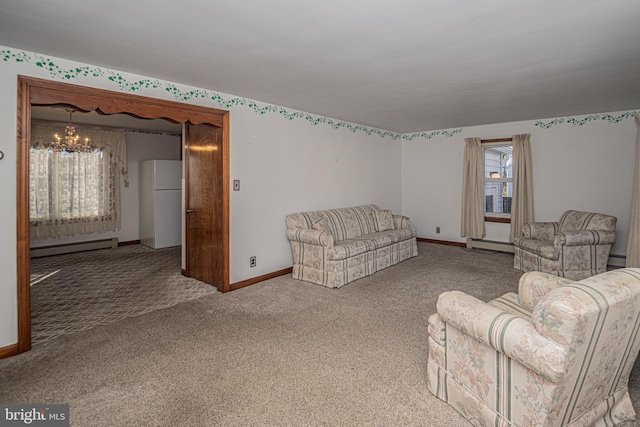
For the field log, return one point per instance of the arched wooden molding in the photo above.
(46, 92)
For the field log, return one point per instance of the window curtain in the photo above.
(473, 190)
(522, 203)
(75, 193)
(633, 244)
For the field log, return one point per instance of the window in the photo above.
(502, 167)
(498, 177)
(73, 193)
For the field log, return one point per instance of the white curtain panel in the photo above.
(75, 193)
(522, 204)
(633, 244)
(473, 190)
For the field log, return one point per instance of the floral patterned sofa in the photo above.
(337, 246)
(557, 353)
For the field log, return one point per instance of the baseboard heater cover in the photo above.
(68, 248)
(617, 260)
(490, 245)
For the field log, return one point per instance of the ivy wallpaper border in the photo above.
(178, 94)
(587, 119)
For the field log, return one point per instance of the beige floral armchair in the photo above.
(575, 247)
(557, 353)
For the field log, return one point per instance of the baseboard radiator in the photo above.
(68, 248)
(490, 245)
(614, 260)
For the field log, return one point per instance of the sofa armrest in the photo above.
(401, 221)
(534, 285)
(540, 230)
(311, 236)
(584, 237)
(504, 332)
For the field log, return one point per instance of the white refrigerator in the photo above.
(161, 203)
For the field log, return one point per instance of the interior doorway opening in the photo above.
(37, 92)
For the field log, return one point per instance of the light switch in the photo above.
(236, 185)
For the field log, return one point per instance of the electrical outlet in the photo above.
(252, 261)
(437, 230)
(236, 185)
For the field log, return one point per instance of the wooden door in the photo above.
(203, 204)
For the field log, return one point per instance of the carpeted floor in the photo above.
(78, 291)
(281, 352)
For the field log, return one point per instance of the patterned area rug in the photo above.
(76, 292)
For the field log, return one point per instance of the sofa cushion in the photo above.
(386, 238)
(344, 223)
(351, 247)
(384, 220)
(365, 217)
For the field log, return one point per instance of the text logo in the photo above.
(34, 415)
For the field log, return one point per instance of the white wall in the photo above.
(140, 146)
(285, 163)
(287, 167)
(584, 167)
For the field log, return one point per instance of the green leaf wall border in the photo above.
(125, 85)
(587, 119)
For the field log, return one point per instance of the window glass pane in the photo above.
(66, 186)
(497, 197)
(498, 161)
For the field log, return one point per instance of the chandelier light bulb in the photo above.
(70, 143)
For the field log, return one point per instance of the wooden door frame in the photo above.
(33, 91)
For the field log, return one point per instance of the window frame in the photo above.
(496, 142)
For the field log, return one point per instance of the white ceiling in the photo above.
(402, 66)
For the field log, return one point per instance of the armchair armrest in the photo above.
(585, 237)
(311, 236)
(401, 221)
(534, 285)
(540, 230)
(504, 332)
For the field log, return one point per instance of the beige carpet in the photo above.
(278, 353)
(79, 291)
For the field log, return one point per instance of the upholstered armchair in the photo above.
(557, 353)
(575, 247)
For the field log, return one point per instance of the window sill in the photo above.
(497, 219)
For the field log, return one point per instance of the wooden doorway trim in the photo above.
(32, 91)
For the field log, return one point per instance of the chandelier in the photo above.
(70, 142)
